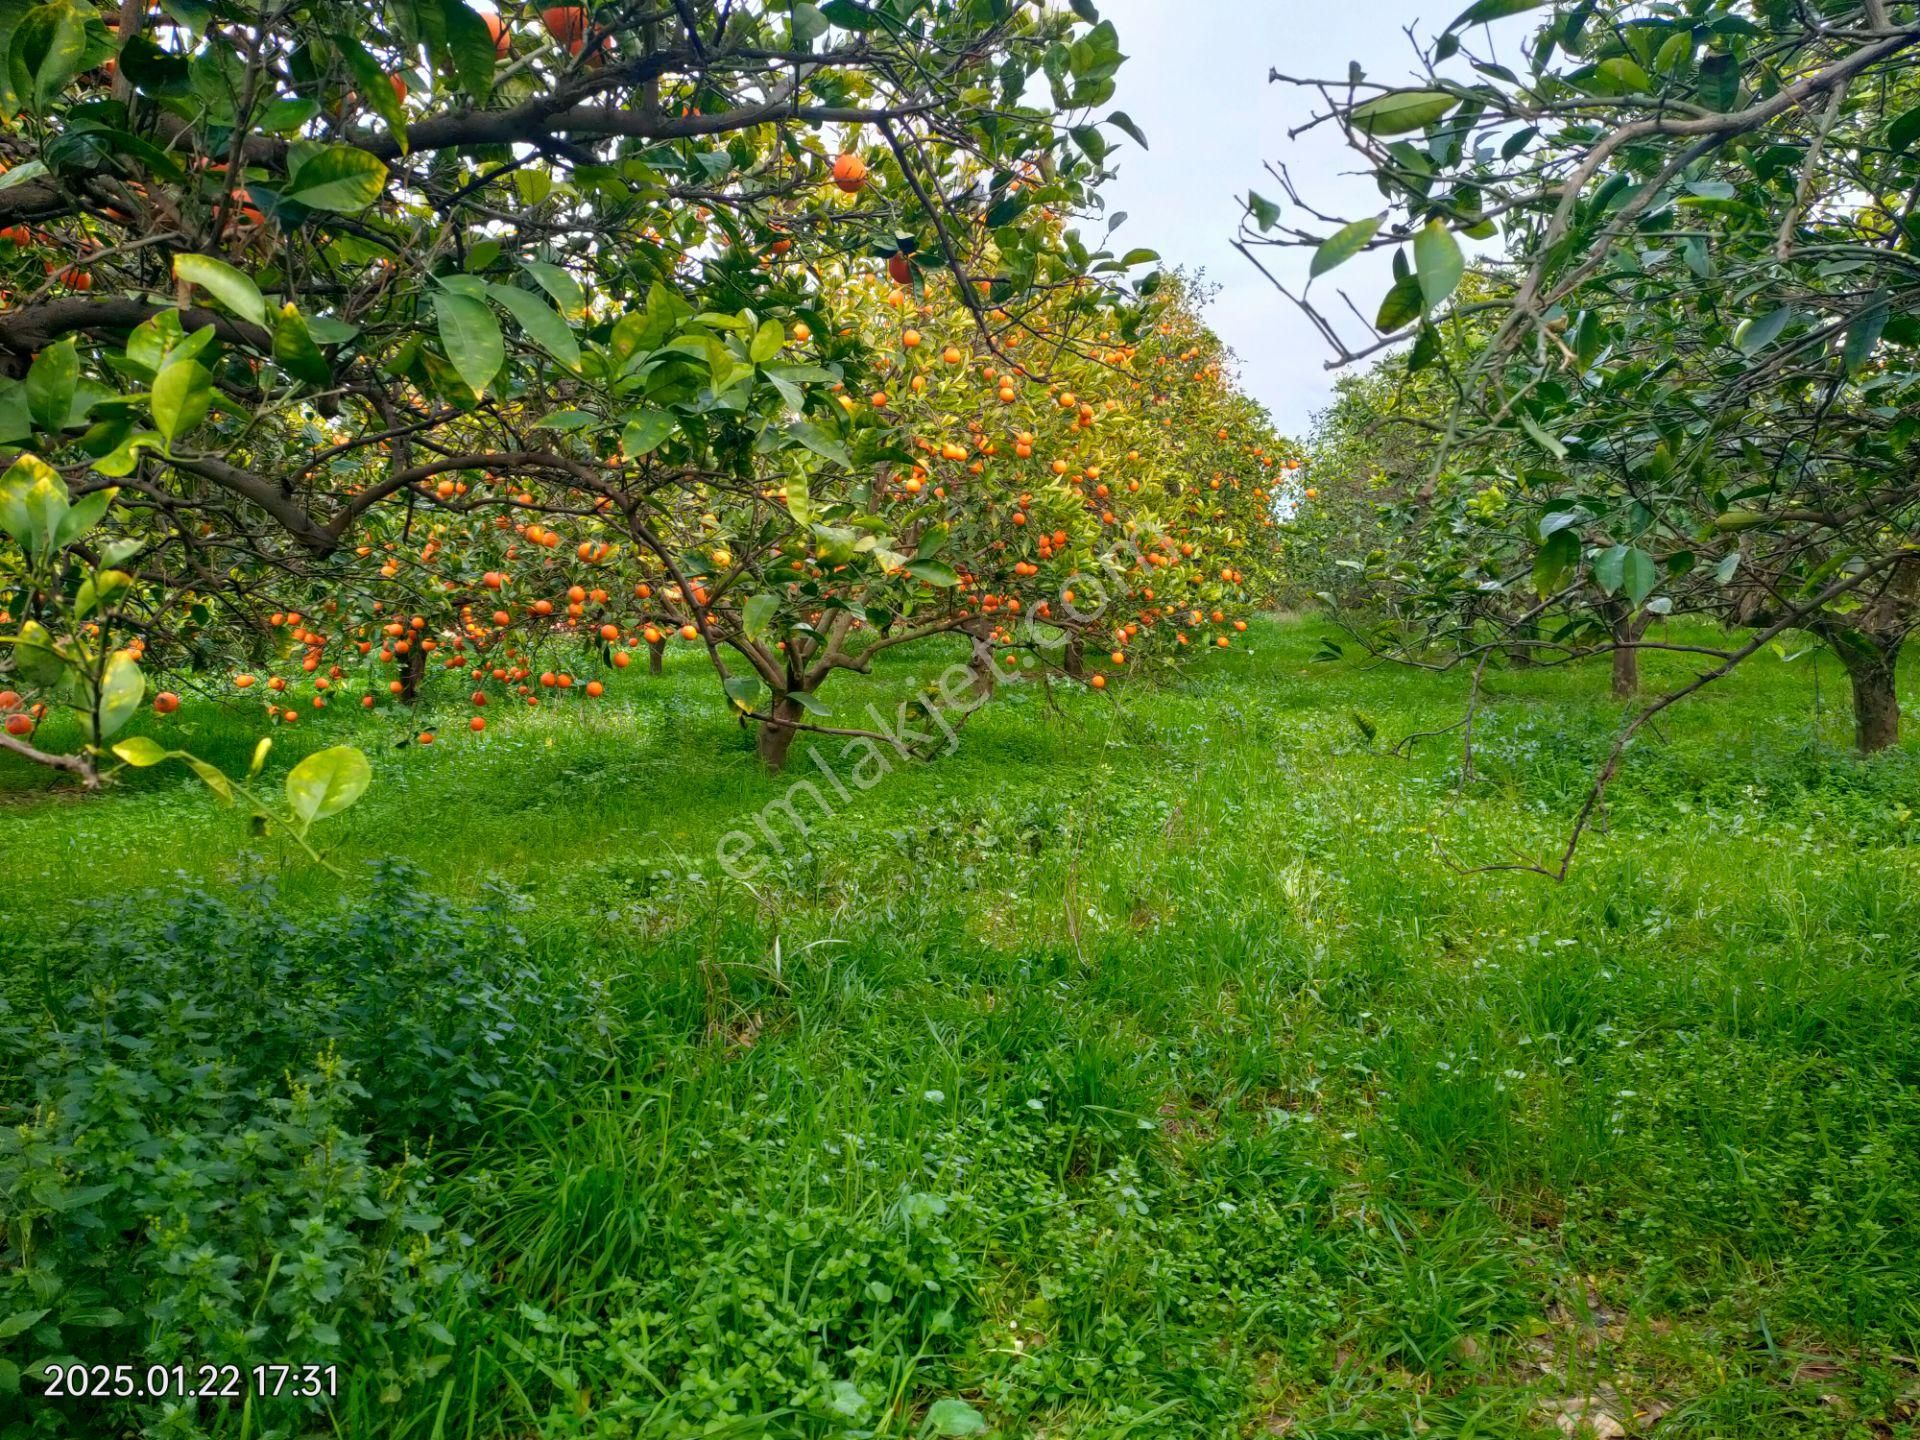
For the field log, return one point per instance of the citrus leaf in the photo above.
(340, 179)
(1343, 245)
(541, 322)
(932, 572)
(181, 396)
(1438, 262)
(1401, 307)
(227, 285)
(122, 689)
(327, 782)
(644, 431)
(471, 334)
(757, 614)
(142, 751)
(1485, 10)
(1402, 111)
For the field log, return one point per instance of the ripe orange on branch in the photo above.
(849, 172)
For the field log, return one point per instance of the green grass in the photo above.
(1155, 1065)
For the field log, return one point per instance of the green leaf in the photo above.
(849, 15)
(1720, 82)
(1402, 111)
(1401, 306)
(1343, 245)
(142, 752)
(1621, 76)
(370, 77)
(821, 443)
(743, 690)
(21, 1321)
(122, 689)
(340, 178)
(1485, 10)
(470, 332)
(951, 1417)
(757, 614)
(1122, 121)
(471, 46)
(564, 289)
(227, 285)
(799, 500)
(808, 24)
(33, 503)
(1555, 563)
(1266, 214)
(767, 341)
(52, 380)
(99, 590)
(181, 396)
(1542, 437)
(327, 782)
(22, 173)
(1864, 333)
(1753, 336)
(567, 420)
(1141, 256)
(1639, 575)
(1904, 130)
(932, 572)
(49, 48)
(36, 656)
(294, 349)
(541, 322)
(645, 430)
(1091, 142)
(1438, 262)
(81, 517)
(1609, 567)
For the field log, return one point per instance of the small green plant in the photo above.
(323, 784)
(75, 663)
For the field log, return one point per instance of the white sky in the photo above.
(1196, 82)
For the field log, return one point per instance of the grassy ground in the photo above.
(1146, 1067)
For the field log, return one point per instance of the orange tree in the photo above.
(941, 488)
(292, 278)
(1085, 474)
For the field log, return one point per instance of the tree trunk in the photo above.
(776, 734)
(1519, 654)
(413, 671)
(1076, 659)
(1627, 629)
(656, 656)
(1870, 665)
(980, 666)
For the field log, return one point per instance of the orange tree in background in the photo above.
(287, 279)
(1117, 502)
(1125, 502)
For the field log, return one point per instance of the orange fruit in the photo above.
(502, 41)
(849, 172)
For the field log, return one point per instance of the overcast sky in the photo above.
(1196, 82)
